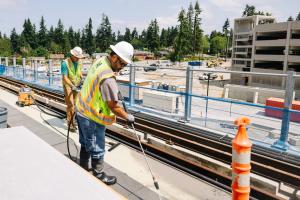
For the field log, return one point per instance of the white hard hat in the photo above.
(77, 52)
(124, 50)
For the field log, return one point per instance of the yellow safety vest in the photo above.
(73, 75)
(89, 102)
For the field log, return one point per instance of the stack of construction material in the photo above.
(279, 103)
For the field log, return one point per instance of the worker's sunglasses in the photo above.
(122, 63)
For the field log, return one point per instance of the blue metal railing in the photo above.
(54, 81)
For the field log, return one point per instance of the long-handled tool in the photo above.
(140, 143)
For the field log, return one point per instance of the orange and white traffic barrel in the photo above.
(241, 158)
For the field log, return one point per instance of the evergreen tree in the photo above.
(14, 39)
(59, 33)
(127, 35)
(143, 39)
(172, 34)
(164, 38)
(120, 37)
(5, 46)
(82, 40)
(153, 36)
(71, 36)
(197, 34)
(104, 34)
(134, 34)
(225, 32)
(136, 43)
(290, 18)
(190, 18)
(51, 34)
(298, 17)
(77, 38)
(90, 42)
(0, 35)
(66, 46)
(249, 11)
(42, 34)
(182, 39)
(29, 33)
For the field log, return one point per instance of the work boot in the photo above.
(97, 165)
(84, 158)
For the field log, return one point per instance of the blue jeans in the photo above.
(92, 137)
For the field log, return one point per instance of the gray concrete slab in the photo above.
(40, 172)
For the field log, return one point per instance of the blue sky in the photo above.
(132, 13)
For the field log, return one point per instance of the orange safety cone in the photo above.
(241, 157)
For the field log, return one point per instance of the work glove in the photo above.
(130, 119)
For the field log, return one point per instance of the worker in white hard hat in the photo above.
(71, 78)
(97, 106)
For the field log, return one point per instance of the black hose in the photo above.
(68, 137)
(60, 117)
(44, 111)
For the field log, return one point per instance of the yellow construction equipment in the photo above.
(25, 97)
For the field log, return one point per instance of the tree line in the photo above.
(184, 40)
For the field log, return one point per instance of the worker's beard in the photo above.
(115, 70)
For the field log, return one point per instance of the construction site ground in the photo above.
(134, 180)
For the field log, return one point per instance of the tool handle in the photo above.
(123, 102)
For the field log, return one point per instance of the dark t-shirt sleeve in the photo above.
(109, 90)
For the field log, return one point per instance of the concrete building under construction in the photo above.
(260, 44)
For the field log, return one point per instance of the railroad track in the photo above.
(275, 166)
(266, 163)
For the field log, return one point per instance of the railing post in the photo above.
(241, 159)
(35, 70)
(24, 67)
(281, 143)
(14, 66)
(50, 72)
(188, 91)
(207, 91)
(6, 64)
(131, 85)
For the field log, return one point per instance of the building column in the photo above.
(255, 23)
(286, 53)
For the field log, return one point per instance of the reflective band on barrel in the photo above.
(241, 158)
(244, 180)
(101, 117)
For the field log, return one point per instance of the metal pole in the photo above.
(14, 66)
(188, 91)
(281, 143)
(207, 90)
(50, 72)
(6, 64)
(35, 70)
(131, 84)
(24, 67)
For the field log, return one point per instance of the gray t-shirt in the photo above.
(109, 90)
